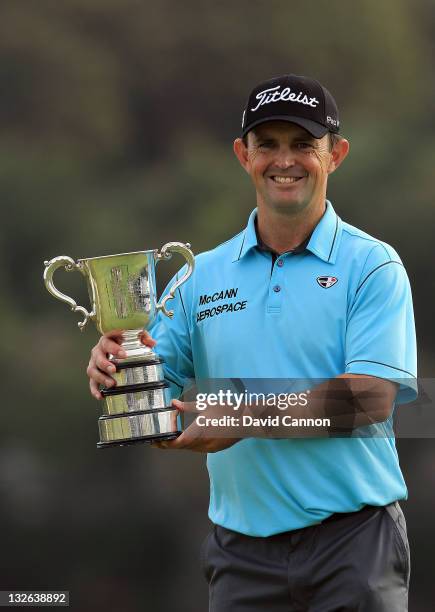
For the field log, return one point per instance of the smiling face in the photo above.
(288, 166)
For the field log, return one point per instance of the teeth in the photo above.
(286, 179)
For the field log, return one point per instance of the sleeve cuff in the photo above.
(408, 389)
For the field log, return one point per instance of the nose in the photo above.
(285, 158)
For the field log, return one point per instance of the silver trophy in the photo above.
(122, 291)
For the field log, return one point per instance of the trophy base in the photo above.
(142, 440)
(138, 408)
(143, 425)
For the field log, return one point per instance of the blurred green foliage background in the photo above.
(116, 122)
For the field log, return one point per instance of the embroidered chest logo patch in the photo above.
(327, 281)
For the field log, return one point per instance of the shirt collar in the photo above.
(323, 242)
(262, 246)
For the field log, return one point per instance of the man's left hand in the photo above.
(195, 437)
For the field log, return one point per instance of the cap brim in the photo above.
(315, 129)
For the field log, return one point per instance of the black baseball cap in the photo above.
(293, 98)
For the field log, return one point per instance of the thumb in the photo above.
(184, 406)
(146, 339)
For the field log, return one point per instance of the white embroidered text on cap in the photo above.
(274, 95)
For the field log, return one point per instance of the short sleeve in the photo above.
(173, 341)
(380, 335)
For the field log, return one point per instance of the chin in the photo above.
(289, 206)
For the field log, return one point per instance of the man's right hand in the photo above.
(100, 368)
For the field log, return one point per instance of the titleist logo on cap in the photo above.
(273, 94)
(296, 99)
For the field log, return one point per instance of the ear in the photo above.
(338, 153)
(241, 152)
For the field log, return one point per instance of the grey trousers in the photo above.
(357, 561)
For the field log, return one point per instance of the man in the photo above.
(306, 523)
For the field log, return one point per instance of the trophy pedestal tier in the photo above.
(139, 408)
(136, 398)
(134, 372)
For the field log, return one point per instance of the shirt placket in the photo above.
(277, 285)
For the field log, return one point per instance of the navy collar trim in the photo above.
(323, 242)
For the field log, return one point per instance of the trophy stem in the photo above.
(133, 346)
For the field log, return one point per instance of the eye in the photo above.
(304, 145)
(265, 144)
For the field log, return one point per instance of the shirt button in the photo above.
(277, 288)
(280, 262)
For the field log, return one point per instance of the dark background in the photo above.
(116, 122)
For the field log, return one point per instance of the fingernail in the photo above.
(122, 353)
(109, 382)
(111, 368)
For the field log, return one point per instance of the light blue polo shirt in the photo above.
(239, 316)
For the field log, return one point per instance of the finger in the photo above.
(146, 339)
(104, 365)
(99, 377)
(158, 445)
(107, 345)
(168, 444)
(116, 334)
(94, 389)
(182, 441)
(179, 442)
(184, 406)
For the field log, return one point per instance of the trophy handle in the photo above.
(70, 266)
(166, 253)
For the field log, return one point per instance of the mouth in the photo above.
(285, 180)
